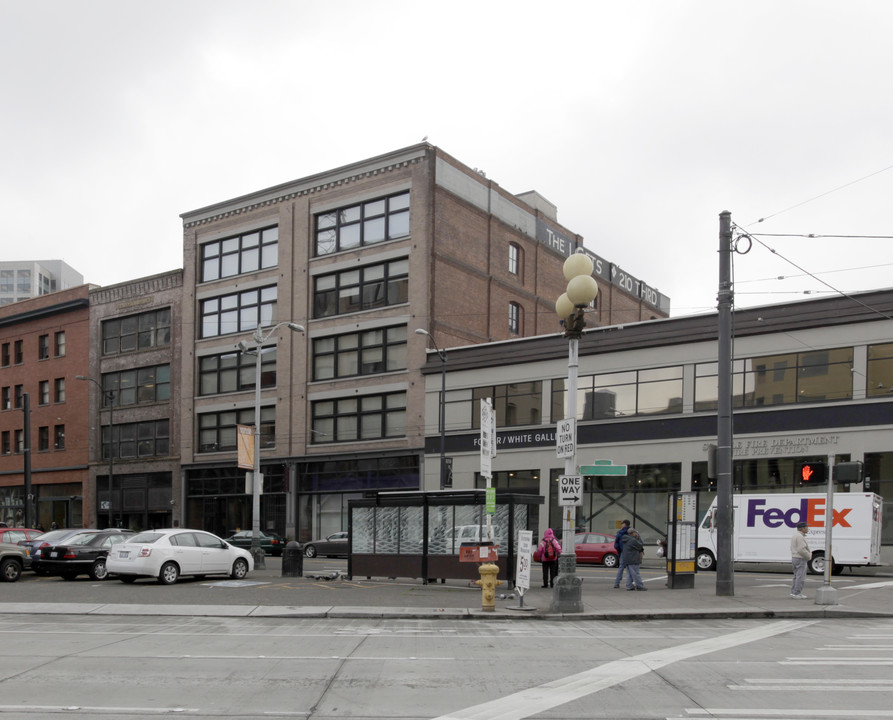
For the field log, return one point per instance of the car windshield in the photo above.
(146, 538)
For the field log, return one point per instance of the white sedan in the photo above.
(168, 554)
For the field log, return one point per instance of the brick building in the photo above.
(362, 256)
(44, 346)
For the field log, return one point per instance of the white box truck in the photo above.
(764, 523)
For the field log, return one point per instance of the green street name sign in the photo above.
(603, 467)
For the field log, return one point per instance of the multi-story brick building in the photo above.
(44, 346)
(134, 386)
(362, 256)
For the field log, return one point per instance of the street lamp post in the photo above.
(259, 338)
(110, 395)
(567, 595)
(443, 359)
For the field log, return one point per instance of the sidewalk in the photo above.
(267, 594)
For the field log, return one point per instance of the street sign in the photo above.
(490, 496)
(565, 438)
(488, 438)
(603, 467)
(522, 569)
(570, 490)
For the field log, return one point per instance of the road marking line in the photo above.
(770, 712)
(543, 698)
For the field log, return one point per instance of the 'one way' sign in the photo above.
(570, 490)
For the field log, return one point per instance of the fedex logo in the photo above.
(810, 510)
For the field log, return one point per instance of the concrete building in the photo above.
(362, 256)
(44, 346)
(811, 382)
(134, 386)
(23, 279)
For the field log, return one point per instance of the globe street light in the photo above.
(567, 595)
(443, 359)
(110, 396)
(259, 338)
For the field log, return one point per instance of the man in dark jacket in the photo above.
(618, 546)
(633, 548)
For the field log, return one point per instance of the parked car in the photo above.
(271, 543)
(596, 548)
(15, 535)
(83, 553)
(36, 546)
(168, 554)
(12, 561)
(335, 545)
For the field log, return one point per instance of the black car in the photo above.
(36, 546)
(83, 553)
(270, 542)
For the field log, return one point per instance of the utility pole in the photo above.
(725, 576)
(26, 450)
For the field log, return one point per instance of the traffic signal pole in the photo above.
(827, 595)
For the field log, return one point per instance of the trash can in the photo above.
(293, 560)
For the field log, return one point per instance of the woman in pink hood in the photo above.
(549, 550)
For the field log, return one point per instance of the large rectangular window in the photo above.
(235, 371)
(514, 404)
(362, 224)
(880, 370)
(59, 390)
(217, 431)
(137, 440)
(60, 343)
(143, 331)
(363, 353)
(361, 288)
(656, 391)
(238, 312)
(249, 252)
(137, 387)
(367, 417)
(43, 347)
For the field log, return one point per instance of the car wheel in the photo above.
(240, 569)
(309, 551)
(610, 560)
(705, 560)
(169, 573)
(127, 578)
(99, 571)
(10, 570)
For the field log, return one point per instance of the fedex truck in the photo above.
(764, 523)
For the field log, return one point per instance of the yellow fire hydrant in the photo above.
(488, 583)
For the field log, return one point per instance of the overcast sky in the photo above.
(641, 121)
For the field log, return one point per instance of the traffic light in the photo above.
(848, 473)
(813, 473)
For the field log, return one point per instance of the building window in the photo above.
(23, 281)
(7, 281)
(19, 352)
(364, 288)
(59, 390)
(238, 312)
(5, 443)
(233, 372)
(43, 347)
(4, 355)
(367, 417)
(60, 344)
(7, 398)
(364, 353)
(362, 224)
(241, 254)
(44, 392)
(514, 404)
(19, 396)
(880, 370)
(20, 441)
(141, 386)
(137, 332)
(514, 258)
(137, 440)
(43, 438)
(514, 318)
(217, 431)
(59, 437)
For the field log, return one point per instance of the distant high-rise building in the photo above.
(23, 279)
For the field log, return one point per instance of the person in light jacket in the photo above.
(800, 556)
(633, 549)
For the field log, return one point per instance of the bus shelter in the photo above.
(418, 534)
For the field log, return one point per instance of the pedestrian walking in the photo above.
(633, 550)
(549, 550)
(800, 556)
(618, 546)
